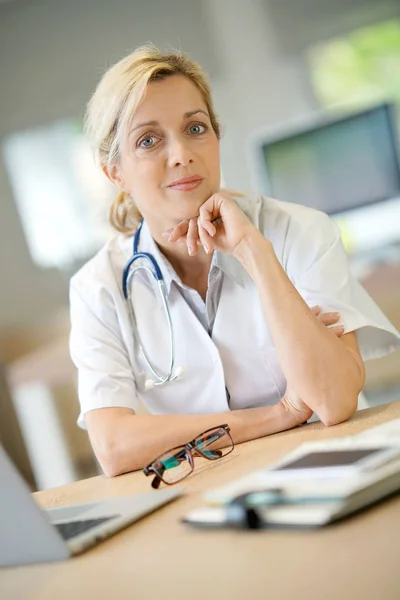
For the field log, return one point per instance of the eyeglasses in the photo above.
(178, 463)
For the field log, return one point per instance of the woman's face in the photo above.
(170, 138)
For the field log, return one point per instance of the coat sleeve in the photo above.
(318, 266)
(105, 376)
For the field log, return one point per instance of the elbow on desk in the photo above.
(109, 467)
(334, 413)
(110, 434)
(341, 404)
(116, 457)
(112, 466)
(106, 453)
(115, 460)
(106, 460)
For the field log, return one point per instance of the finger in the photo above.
(180, 230)
(192, 237)
(209, 226)
(167, 234)
(181, 240)
(210, 211)
(205, 220)
(329, 318)
(205, 239)
(338, 330)
(316, 310)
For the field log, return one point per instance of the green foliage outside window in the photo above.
(360, 69)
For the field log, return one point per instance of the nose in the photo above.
(179, 154)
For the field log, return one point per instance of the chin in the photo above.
(188, 206)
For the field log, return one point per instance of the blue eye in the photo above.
(143, 143)
(199, 129)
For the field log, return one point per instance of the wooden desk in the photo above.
(158, 557)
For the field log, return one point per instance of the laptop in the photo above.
(29, 534)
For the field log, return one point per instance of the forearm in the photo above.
(317, 365)
(126, 442)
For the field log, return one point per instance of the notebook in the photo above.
(316, 484)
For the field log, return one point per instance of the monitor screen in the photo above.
(338, 165)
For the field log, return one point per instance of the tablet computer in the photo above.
(334, 461)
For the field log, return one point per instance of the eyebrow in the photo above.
(187, 115)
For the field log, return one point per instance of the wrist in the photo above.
(252, 245)
(293, 414)
(278, 417)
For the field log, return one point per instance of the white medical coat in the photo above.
(240, 355)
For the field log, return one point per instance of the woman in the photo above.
(240, 276)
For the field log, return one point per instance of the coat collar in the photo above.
(227, 263)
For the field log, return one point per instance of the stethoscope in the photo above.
(155, 272)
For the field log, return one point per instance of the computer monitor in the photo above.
(346, 166)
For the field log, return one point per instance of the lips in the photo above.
(186, 183)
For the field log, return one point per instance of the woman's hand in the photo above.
(291, 400)
(221, 225)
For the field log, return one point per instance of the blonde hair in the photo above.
(114, 102)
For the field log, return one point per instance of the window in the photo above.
(354, 72)
(62, 197)
(359, 69)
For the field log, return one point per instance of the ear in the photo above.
(114, 174)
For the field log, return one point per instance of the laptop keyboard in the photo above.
(74, 528)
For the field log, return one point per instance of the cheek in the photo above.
(213, 160)
(145, 173)
(214, 150)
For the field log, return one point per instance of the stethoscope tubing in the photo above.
(155, 272)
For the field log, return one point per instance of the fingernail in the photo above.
(335, 314)
(190, 250)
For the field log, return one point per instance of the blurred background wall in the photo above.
(272, 64)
